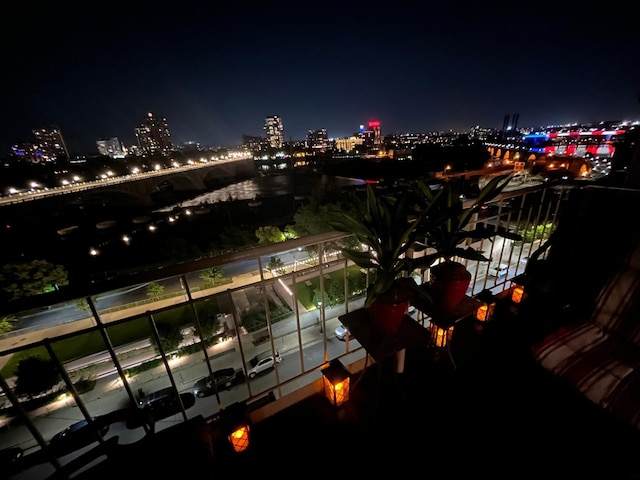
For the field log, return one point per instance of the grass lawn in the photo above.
(86, 344)
(304, 292)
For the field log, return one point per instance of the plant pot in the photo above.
(388, 310)
(449, 282)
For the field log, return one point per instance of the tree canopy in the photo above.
(19, 280)
(35, 375)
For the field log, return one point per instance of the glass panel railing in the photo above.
(137, 299)
(30, 326)
(292, 308)
(211, 280)
(23, 403)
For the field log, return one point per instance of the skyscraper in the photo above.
(50, 143)
(153, 136)
(374, 126)
(273, 130)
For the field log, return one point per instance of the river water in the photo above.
(298, 185)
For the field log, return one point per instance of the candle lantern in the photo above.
(236, 424)
(486, 307)
(441, 336)
(517, 293)
(336, 382)
(518, 290)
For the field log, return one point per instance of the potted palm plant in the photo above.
(447, 229)
(385, 230)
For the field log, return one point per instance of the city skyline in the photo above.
(216, 72)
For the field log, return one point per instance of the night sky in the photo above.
(215, 72)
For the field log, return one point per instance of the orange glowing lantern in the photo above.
(239, 438)
(236, 425)
(441, 336)
(336, 381)
(517, 294)
(485, 310)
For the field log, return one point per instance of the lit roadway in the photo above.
(20, 197)
(109, 394)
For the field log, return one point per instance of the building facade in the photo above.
(274, 129)
(111, 147)
(318, 140)
(50, 143)
(154, 137)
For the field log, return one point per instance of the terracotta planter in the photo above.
(388, 310)
(449, 282)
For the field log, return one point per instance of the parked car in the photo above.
(496, 270)
(164, 402)
(222, 379)
(261, 363)
(10, 455)
(76, 436)
(341, 333)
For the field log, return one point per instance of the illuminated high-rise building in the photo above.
(153, 136)
(111, 147)
(50, 143)
(374, 126)
(274, 131)
(318, 139)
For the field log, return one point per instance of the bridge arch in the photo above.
(176, 182)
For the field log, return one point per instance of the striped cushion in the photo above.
(616, 308)
(623, 401)
(600, 355)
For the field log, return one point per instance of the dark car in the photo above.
(77, 436)
(164, 402)
(10, 455)
(222, 379)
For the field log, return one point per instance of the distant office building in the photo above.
(111, 147)
(190, 147)
(374, 126)
(318, 140)
(366, 138)
(252, 143)
(274, 131)
(482, 133)
(50, 144)
(27, 153)
(153, 136)
(348, 144)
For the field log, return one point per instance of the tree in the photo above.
(20, 280)
(318, 299)
(170, 337)
(7, 323)
(177, 249)
(275, 263)
(82, 304)
(290, 232)
(210, 325)
(335, 293)
(534, 232)
(35, 375)
(269, 234)
(155, 290)
(211, 275)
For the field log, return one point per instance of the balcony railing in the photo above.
(175, 327)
